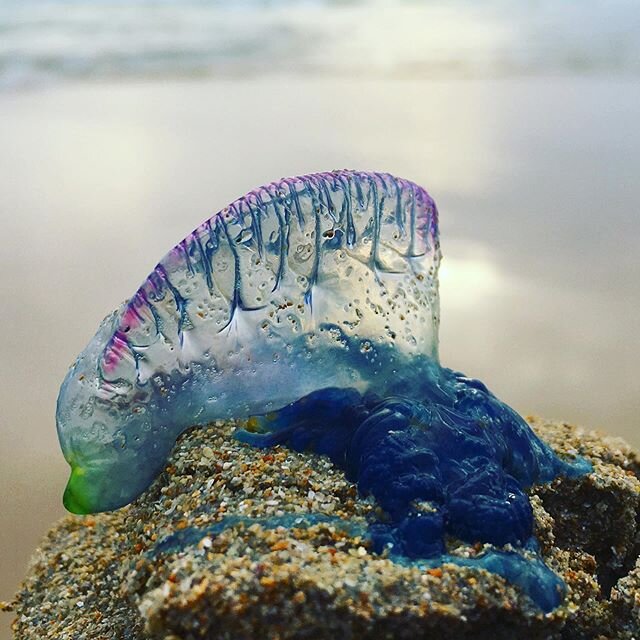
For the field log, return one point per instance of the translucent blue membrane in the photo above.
(309, 307)
(456, 462)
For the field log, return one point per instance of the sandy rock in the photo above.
(156, 569)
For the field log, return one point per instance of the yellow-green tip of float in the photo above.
(76, 498)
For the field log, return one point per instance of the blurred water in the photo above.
(521, 118)
(44, 41)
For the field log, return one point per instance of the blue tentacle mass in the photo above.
(309, 307)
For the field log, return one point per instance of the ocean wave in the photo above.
(52, 40)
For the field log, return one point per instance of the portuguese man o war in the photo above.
(309, 309)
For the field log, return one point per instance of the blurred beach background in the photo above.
(124, 124)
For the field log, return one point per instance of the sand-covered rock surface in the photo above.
(159, 568)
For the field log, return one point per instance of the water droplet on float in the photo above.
(365, 346)
(303, 252)
(119, 440)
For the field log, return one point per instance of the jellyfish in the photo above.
(308, 309)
